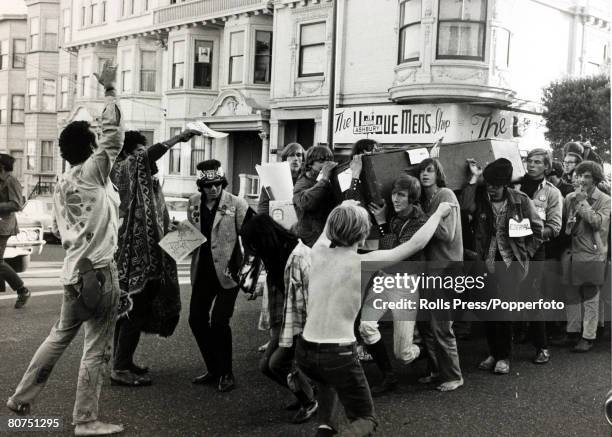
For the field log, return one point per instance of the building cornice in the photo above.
(4, 17)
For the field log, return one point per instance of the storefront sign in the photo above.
(421, 123)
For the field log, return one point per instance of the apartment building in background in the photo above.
(408, 72)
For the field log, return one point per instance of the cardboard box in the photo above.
(453, 158)
(283, 212)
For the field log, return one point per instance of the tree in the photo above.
(579, 110)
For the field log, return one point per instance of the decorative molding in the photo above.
(308, 88)
(405, 75)
(231, 102)
(459, 75)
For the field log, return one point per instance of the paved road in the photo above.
(563, 398)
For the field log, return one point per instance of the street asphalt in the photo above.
(563, 398)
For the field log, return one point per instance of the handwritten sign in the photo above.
(519, 229)
(180, 243)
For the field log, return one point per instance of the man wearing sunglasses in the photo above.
(219, 215)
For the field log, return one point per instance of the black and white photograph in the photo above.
(274, 218)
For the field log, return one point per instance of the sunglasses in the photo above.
(213, 184)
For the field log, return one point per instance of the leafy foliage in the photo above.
(579, 110)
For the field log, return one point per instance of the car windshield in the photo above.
(176, 205)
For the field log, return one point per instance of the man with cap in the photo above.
(219, 215)
(11, 201)
(497, 212)
(548, 203)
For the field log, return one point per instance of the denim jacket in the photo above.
(474, 200)
(548, 203)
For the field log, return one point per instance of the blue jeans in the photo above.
(99, 328)
(338, 374)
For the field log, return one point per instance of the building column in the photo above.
(265, 146)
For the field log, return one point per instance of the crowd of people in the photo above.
(110, 215)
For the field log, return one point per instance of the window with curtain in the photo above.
(4, 54)
(31, 155)
(66, 25)
(17, 107)
(48, 95)
(410, 31)
(126, 71)
(86, 77)
(148, 60)
(461, 29)
(263, 57)
(178, 64)
(46, 156)
(236, 60)
(19, 53)
(197, 153)
(312, 50)
(34, 33)
(174, 154)
(32, 94)
(51, 34)
(64, 92)
(202, 64)
(18, 166)
(3, 110)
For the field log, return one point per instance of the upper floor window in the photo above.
(312, 50)
(17, 107)
(263, 57)
(32, 94)
(236, 61)
(148, 60)
(64, 92)
(178, 64)
(103, 11)
(83, 16)
(4, 54)
(410, 31)
(18, 166)
(51, 34)
(93, 10)
(85, 77)
(66, 25)
(174, 155)
(46, 156)
(34, 33)
(461, 29)
(19, 52)
(126, 71)
(146, 5)
(3, 110)
(31, 155)
(48, 95)
(202, 64)
(197, 154)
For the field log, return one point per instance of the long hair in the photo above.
(316, 153)
(263, 237)
(440, 176)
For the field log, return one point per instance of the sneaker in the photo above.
(19, 409)
(304, 414)
(487, 364)
(96, 428)
(542, 356)
(502, 367)
(583, 345)
(23, 294)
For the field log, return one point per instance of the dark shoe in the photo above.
(19, 409)
(139, 370)
(23, 294)
(583, 345)
(304, 414)
(388, 384)
(226, 383)
(487, 364)
(129, 379)
(293, 406)
(542, 356)
(568, 339)
(206, 379)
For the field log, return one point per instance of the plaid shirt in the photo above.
(296, 294)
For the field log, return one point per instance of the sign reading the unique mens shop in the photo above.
(421, 123)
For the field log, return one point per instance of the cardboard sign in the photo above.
(180, 243)
(519, 229)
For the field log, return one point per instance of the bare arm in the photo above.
(415, 244)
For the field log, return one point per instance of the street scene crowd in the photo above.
(118, 282)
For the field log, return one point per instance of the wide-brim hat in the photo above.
(498, 173)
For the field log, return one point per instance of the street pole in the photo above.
(332, 81)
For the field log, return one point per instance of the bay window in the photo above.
(263, 57)
(461, 29)
(148, 60)
(410, 31)
(34, 33)
(178, 64)
(236, 57)
(202, 64)
(50, 40)
(48, 95)
(32, 94)
(312, 50)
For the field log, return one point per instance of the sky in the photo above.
(12, 7)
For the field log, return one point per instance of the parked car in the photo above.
(19, 247)
(177, 208)
(41, 208)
